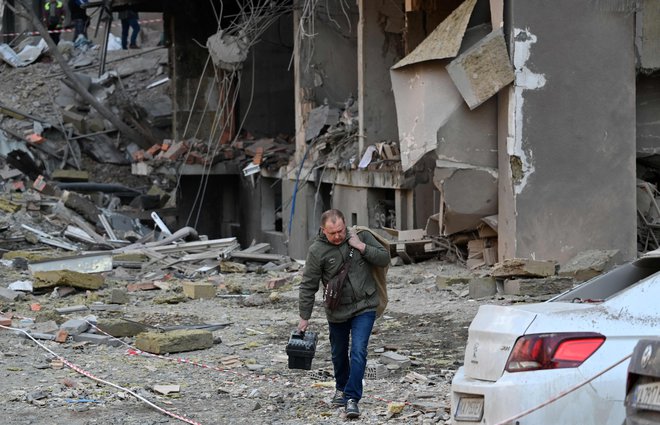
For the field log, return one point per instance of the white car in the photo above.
(521, 357)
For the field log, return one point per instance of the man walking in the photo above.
(129, 19)
(353, 320)
(79, 18)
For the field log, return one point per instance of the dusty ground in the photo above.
(426, 324)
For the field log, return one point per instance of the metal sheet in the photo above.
(81, 263)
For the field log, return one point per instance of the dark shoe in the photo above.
(133, 46)
(338, 400)
(352, 410)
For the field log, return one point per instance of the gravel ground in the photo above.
(427, 325)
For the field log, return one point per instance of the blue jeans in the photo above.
(349, 372)
(125, 25)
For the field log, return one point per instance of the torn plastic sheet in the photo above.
(25, 57)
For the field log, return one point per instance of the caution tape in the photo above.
(13, 34)
(97, 379)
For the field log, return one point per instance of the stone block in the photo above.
(50, 279)
(75, 326)
(276, 283)
(174, 341)
(77, 120)
(536, 287)
(120, 328)
(391, 357)
(588, 264)
(118, 296)
(9, 295)
(199, 290)
(482, 287)
(5, 321)
(524, 267)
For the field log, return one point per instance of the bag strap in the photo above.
(345, 266)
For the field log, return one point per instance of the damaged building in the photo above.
(502, 126)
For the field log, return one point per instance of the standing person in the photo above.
(79, 18)
(53, 17)
(129, 19)
(354, 318)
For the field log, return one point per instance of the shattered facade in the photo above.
(500, 122)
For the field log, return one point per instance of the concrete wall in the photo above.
(569, 152)
(379, 47)
(352, 201)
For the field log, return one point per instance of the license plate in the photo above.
(470, 409)
(647, 396)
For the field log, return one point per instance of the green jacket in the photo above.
(325, 259)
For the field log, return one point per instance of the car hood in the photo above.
(494, 331)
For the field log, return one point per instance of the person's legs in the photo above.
(135, 25)
(54, 35)
(361, 327)
(78, 28)
(339, 337)
(124, 34)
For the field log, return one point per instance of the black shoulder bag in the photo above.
(333, 288)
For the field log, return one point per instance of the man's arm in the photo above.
(308, 288)
(370, 248)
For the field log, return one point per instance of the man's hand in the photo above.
(302, 326)
(355, 242)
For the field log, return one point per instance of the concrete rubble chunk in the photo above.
(393, 358)
(174, 341)
(120, 328)
(536, 287)
(482, 70)
(9, 295)
(199, 290)
(50, 279)
(482, 287)
(74, 326)
(21, 285)
(588, 264)
(118, 296)
(523, 267)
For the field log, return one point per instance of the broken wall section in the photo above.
(567, 178)
(457, 117)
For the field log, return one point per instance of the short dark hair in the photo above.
(333, 215)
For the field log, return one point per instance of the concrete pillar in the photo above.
(191, 23)
(567, 132)
(377, 44)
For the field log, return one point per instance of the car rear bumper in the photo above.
(514, 393)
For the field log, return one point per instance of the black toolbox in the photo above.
(300, 349)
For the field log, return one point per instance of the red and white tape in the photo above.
(97, 379)
(14, 34)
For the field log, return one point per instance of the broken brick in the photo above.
(153, 150)
(138, 155)
(61, 336)
(175, 151)
(276, 283)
